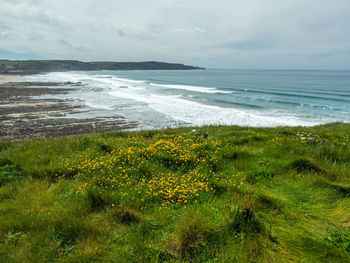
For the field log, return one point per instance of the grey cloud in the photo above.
(22, 11)
(3, 33)
(70, 45)
(223, 33)
(190, 30)
(135, 35)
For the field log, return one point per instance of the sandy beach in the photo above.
(9, 78)
(25, 114)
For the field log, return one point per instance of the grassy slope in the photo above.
(240, 195)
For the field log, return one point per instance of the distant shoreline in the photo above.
(19, 67)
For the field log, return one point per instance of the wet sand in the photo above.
(24, 114)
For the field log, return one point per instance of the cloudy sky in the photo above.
(251, 34)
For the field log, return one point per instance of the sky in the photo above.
(238, 34)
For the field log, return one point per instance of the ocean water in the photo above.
(263, 98)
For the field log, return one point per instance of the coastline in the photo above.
(25, 114)
(70, 104)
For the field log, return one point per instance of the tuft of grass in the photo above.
(305, 165)
(245, 221)
(190, 236)
(96, 200)
(266, 201)
(126, 216)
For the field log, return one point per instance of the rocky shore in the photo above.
(25, 114)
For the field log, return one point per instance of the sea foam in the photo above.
(156, 104)
(191, 88)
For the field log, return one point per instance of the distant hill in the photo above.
(37, 66)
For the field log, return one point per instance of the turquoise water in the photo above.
(157, 99)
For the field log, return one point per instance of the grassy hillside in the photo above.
(217, 194)
(69, 65)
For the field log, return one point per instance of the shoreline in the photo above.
(25, 114)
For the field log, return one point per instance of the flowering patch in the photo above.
(168, 169)
(309, 137)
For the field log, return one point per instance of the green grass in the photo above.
(218, 194)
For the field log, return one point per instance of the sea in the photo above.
(169, 98)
